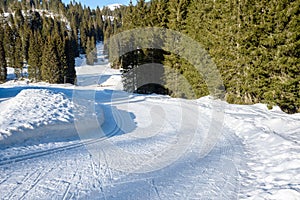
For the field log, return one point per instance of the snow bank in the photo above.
(271, 141)
(31, 109)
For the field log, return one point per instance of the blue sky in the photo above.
(100, 3)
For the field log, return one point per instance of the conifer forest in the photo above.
(255, 44)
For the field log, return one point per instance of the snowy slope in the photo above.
(272, 146)
(31, 109)
(141, 146)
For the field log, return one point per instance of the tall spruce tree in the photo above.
(181, 77)
(70, 50)
(35, 56)
(50, 69)
(91, 56)
(9, 45)
(3, 65)
(62, 56)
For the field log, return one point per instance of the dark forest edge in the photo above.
(255, 44)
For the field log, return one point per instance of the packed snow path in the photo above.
(67, 169)
(143, 147)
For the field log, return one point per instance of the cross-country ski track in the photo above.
(94, 141)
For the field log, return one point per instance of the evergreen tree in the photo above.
(62, 56)
(50, 69)
(129, 19)
(158, 13)
(35, 57)
(3, 66)
(255, 44)
(83, 37)
(91, 56)
(19, 18)
(18, 57)
(9, 45)
(70, 53)
(177, 68)
(25, 41)
(99, 25)
(36, 22)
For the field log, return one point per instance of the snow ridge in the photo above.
(33, 108)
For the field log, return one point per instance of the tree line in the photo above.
(255, 45)
(47, 36)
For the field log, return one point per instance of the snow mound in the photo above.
(33, 108)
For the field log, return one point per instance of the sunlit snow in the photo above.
(94, 141)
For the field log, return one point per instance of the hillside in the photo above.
(45, 37)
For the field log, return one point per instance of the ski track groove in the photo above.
(5, 179)
(40, 153)
(107, 166)
(24, 180)
(36, 181)
(72, 181)
(66, 191)
(116, 130)
(75, 174)
(56, 185)
(155, 189)
(21, 158)
(97, 174)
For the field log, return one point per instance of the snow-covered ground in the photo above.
(94, 141)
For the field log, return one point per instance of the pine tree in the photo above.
(35, 57)
(61, 50)
(129, 19)
(50, 69)
(83, 37)
(90, 51)
(99, 25)
(180, 77)
(25, 41)
(70, 52)
(3, 66)
(36, 22)
(158, 13)
(18, 57)
(19, 18)
(9, 45)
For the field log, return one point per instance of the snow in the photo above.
(31, 109)
(271, 140)
(114, 6)
(94, 141)
(42, 12)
